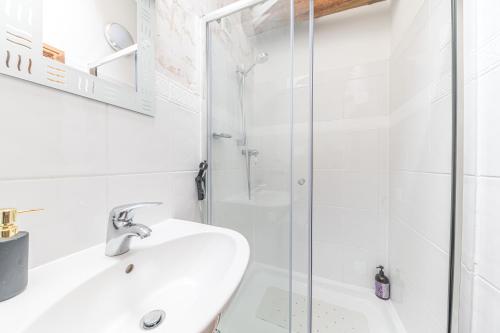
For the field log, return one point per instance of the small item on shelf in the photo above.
(53, 53)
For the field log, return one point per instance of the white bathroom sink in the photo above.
(188, 270)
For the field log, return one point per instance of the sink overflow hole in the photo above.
(152, 319)
(129, 268)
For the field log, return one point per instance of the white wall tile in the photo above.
(488, 100)
(366, 97)
(488, 56)
(365, 229)
(331, 257)
(183, 196)
(481, 276)
(488, 25)
(360, 190)
(133, 188)
(69, 143)
(77, 158)
(469, 222)
(488, 246)
(419, 272)
(486, 305)
(359, 265)
(351, 145)
(348, 244)
(328, 222)
(271, 232)
(328, 185)
(361, 36)
(403, 15)
(48, 133)
(329, 96)
(422, 201)
(229, 215)
(74, 216)
(420, 162)
(137, 143)
(466, 300)
(437, 154)
(470, 128)
(330, 147)
(412, 55)
(363, 150)
(184, 133)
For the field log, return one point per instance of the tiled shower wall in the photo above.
(481, 248)
(351, 143)
(420, 162)
(77, 158)
(351, 151)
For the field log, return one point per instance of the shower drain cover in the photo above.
(152, 319)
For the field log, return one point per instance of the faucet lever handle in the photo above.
(125, 213)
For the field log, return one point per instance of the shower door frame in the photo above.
(457, 200)
(457, 169)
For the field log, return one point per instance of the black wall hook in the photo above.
(201, 180)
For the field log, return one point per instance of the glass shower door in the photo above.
(258, 106)
(383, 172)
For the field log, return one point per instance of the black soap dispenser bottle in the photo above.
(14, 249)
(382, 284)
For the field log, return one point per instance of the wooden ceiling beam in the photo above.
(279, 14)
(328, 7)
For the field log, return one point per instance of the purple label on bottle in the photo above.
(382, 290)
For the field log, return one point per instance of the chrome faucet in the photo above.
(121, 228)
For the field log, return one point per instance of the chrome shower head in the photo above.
(261, 58)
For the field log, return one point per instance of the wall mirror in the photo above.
(99, 49)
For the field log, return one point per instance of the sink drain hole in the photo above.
(152, 319)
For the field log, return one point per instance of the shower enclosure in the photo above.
(332, 147)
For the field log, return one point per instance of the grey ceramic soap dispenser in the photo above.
(14, 249)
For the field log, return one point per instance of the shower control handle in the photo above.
(221, 136)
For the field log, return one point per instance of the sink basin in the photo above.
(187, 270)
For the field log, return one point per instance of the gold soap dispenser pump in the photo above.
(14, 251)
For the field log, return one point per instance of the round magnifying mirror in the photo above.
(118, 36)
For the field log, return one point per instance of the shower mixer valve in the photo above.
(251, 152)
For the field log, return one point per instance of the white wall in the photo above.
(420, 162)
(77, 28)
(480, 265)
(77, 158)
